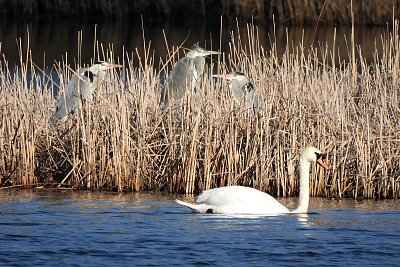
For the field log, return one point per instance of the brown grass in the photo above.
(124, 141)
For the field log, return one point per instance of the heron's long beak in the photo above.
(111, 66)
(210, 52)
(321, 161)
(228, 76)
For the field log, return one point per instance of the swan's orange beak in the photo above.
(321, 161)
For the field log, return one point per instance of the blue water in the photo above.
(46, 228)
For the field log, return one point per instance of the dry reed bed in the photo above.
(125, 141)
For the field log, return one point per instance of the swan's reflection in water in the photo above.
(302, 218)
(250, 221)
(304, 222)
(217, 216)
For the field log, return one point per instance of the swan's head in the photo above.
(312, 154)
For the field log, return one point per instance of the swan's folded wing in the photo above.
(239, 199)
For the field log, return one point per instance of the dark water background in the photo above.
(56, 40)
(46, 228)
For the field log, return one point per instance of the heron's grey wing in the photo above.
(86, 89)
(252, 97)
(199, 63)
(237, 92)
(198, 67)
(180, 79)
(77, 89)
(87, 83)
(68, 101)
(250, 92)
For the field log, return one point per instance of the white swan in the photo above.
(246, 200)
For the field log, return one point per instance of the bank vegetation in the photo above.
(125, 141)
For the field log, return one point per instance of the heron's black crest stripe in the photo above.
(90, 75)
(98, 62)
(239, 73)
(195, 47)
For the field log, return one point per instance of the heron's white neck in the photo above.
(242, 79)
(192, 54)
(304, 186)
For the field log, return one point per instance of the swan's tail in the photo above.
(199, 208)
(186, 204)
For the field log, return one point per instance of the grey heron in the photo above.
(80, 88)
(243, 91)
(186, 74)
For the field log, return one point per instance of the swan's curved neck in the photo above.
(304, 187)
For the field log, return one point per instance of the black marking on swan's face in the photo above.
(320, 155)
(89, 74)
(209, 211)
